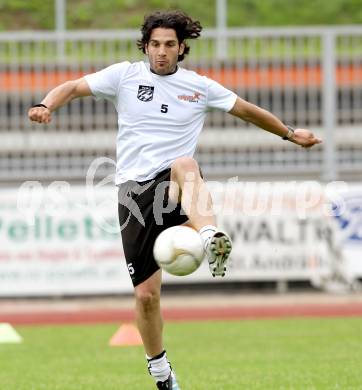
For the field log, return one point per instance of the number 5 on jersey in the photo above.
(164, 108)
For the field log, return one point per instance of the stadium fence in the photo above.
(309, 77)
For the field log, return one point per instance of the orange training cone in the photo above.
(126, 335)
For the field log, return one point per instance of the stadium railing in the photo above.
(309, 77)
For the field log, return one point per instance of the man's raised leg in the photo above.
(188, 186)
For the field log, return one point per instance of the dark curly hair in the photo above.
(185, 28)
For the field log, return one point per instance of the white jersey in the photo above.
(159, 117)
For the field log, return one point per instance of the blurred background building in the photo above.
(308, 76)
(300, 61)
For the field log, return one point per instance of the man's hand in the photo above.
(40, 114)
(305, 138)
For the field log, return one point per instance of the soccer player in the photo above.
(161, 110)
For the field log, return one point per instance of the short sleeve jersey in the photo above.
(159, 117)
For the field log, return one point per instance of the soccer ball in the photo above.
(179, 250)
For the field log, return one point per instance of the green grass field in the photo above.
(38, 14)
(303, 354)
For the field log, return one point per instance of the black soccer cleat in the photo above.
(218, 250)
(169, 384)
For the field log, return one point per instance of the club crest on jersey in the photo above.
(145, 93)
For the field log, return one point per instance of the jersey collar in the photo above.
(164, 75)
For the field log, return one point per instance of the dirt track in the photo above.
(181, 307)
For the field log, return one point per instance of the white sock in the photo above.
(159, 367)
(206, 233)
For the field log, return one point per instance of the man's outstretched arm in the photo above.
(267, 121)
(57, 97)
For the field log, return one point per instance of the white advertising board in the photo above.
(58, 246)
(63, 240)
(279, 231)
(349, 219)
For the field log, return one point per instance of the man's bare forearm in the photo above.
(60, 95)
(57, 97)
(259, 117)
(265, 120)
(269, 122)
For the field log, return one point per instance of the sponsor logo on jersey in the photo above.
(145, 93)
(190, 98)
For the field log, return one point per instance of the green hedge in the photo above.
(84, 14)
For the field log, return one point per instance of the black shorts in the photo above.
(144, 211)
